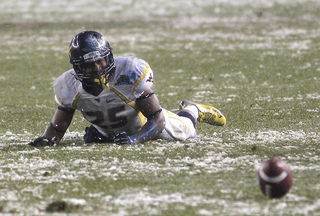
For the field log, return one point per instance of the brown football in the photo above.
(275, 178)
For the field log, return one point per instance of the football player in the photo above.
(115, 95)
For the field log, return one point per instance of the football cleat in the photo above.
(207, 114)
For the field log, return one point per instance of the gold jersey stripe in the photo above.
(130, 103)
(144, 73)
(143, 119)
(75, 101)
(58, 100)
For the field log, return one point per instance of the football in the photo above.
(275, 178)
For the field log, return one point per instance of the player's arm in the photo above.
(57, 128)
(150, 107)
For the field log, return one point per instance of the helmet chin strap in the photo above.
(96, 84)
(102, 81)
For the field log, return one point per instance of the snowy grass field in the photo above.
(258, 61)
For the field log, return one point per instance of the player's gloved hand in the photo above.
(43, 141)
(122, 138)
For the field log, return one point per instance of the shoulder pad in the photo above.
(134, 72)
(66, 89)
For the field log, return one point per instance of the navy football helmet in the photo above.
(87, 47)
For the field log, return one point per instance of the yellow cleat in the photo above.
(207, 114)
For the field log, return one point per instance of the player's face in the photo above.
(94, 67)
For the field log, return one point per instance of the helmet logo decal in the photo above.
(70, 47)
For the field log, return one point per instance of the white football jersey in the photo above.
(113, 109)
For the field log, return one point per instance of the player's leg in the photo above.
(203, 113)
(178, 127)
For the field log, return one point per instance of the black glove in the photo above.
(43, 141)
(122, 138)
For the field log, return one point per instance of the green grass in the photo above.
(258, 64)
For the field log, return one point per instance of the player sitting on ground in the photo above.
(115, 96)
